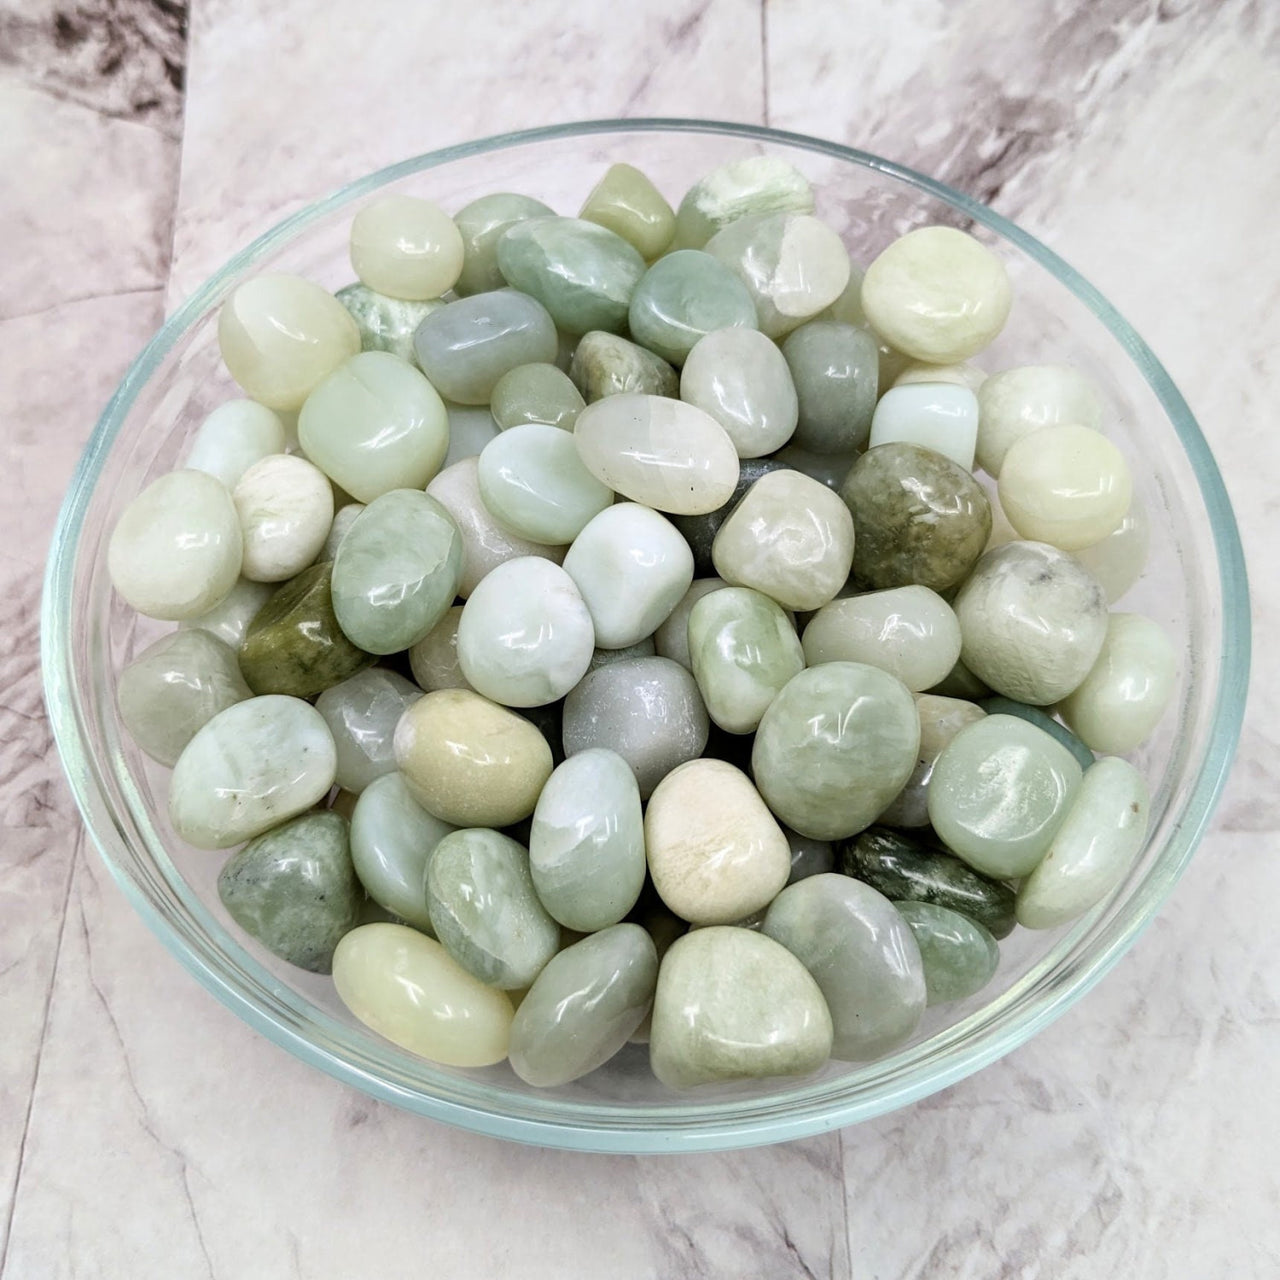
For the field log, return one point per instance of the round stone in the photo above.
(229, 619)
(910, 632)
(584, 1006)
(700, 531)
(525, 637)
(790, 538)
(536, 393)
(374, 425)
(862, 955)
(233, 437)
(481, 225)
(682, 298)
(406, 247)
(397, 571)
(732, 1004)
(744, 650)
(469, 761)
(631, 567)
(742, 188)
(959, 956)
(281, 336)
(1127, 690)
(434, 659)
(176, 550)
(605, 365)
(1068, 486)
(1118, 560)
(583, 273)
(285, 508)
(918, 517)
(586, 845)
(1032, 622)
(466, 346)
(174, 687)
(253, 766)
(1094, 847)
(835, 747)
(671, 640)
(937, 295)
(836, 370)
(664, 453)
(941, 416)
(293, 889)
(941, 718)
(407, 988)
(533, 480)
(1000, 791)
(1018, 401)
(648, 710)
(362, 713)
(386, 324)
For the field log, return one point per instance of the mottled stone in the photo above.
(941, 719)
(362, 713)
(835, 368)
(682, 298)
(671, 640)
(285, 507)
(941, 416)
(1017, 401)
(405, 247)
(628, 203)
(959, 956)
(233, 437)
(482, 224)
(1041, 718)
(386, 324)
(742, 188)
(700, 531)
(605, 365)
(536, 393)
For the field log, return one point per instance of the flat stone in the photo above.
(536, 393)
(285, 507)
(605, 365)
(835, 368)
(960, 957)
(482, 224)
(233, 437)
(406, 247)
(941, 718)
(628, 203)
(387, 324)
(682, 298)
(362, 713)
(1017, 401)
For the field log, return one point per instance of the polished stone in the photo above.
(671, 640)
(960, 957)
(1119, 559)
(386, 324)
(229, 619)
(434, 659)
(743, 188)
(233, 437)
(941, 718)
(1042, 719)
(809, 857)
(606, 365)
(406, 247)
(285, 507)
(682, 298)
(942, 416)
(482, 224)
(1017, 401)
(700, 531)
(362, 713)
(536, 393)
(835, 368)
(627, 202)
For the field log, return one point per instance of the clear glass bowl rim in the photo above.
(789, 1114)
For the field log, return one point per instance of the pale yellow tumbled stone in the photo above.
(628, 203)
(405, 247)
(937, 295)
(716, 853)
(280, 336)
(1066, 485)
(1017, 401)
(408, 988)
(285, 507)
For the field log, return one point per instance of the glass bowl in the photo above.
(1194, 585)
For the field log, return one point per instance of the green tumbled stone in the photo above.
(294, 644)
(386, 324)
(362, 714)
(740, 189)
(1042, 720)
(835, 368)
(905, 870)
(682, 298)
(605, 365)
(700, 531)
(481, 224)
(584, 274)
(918, 517)
(960, 957)
(294, 889)
(626, 202)
(536, 393)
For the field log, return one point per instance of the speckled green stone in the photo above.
(294, 889)
(605, 365)
(959, 955)
(918, 517)
(482, 223)
(583, 273)
(536, 393)
(835, 368)
(682, 298)
(999, 706)
(906, 870)
(294, 644)
(385, 324)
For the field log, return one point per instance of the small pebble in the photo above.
(434, 659)
(835, 368)
(671, 640)
(959, 956)
(604, 365)
(1118, 560)
(285, 508)
(406, 247)
(682, 298)
(941, 416)
(740, 189)
(941, 718)
(1015, 402)
(536, 393)
(386, 324)
(229, 619)
(233, 437)
(362, 713)
(628, 203)
(481, 225)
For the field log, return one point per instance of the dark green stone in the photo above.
(999, 706)
(918, 518)
(700, 531)
(604, 364)
(906, 870)
(294, 644)
(295, 890)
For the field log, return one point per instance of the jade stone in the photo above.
(434, 659)
(1118, 560)
(959, 956)
(809, 857)
(744, 651)
(583, 273)
(940, 720)
(648, 710)
(604, 364)
(392, 840)
(1017, 401)
(905, 869)
(294, 644)
(682, 298)
(387, 324)
(294, 890)
(176, 686)
(536, 393)
(1032, 620)
(405, 247)
(962, 374)
(485, 911)
(229, 619)
(233, 437)
(941, 416)
(700, 531)
(626, 202)
(471, 427)
(466, 346)
(374, 425)
(253, 766)
(732, 1004)
(285, 507)
(918, 517)
(362, 713)
(1000, 790)
(482, 224)
(586, 845)
(1039, 717)
(862, 955)
(584, 1006)
(641, 649)
(835, 747)
(835, 368)
(343, 519)
(960, 682)
(741, 379)
(671, 640)
(740, 189)
(397, 571)
(828, 469)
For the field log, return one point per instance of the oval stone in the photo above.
(1015, 402)
(862, 955)
(434, 659)
(628, 203)
(386, 324)
(941, 416)
(251, 767)
(682, 298)
(406, 987)
(481, 224)
(604, 365)
(960, 957)
(362, 713)
(835, 747)
(941, 718)
(536, 393)
(285, 508)
(233, 437)
(835, 368)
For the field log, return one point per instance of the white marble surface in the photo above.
(146, 1132)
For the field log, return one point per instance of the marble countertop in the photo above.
(144, 1131)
